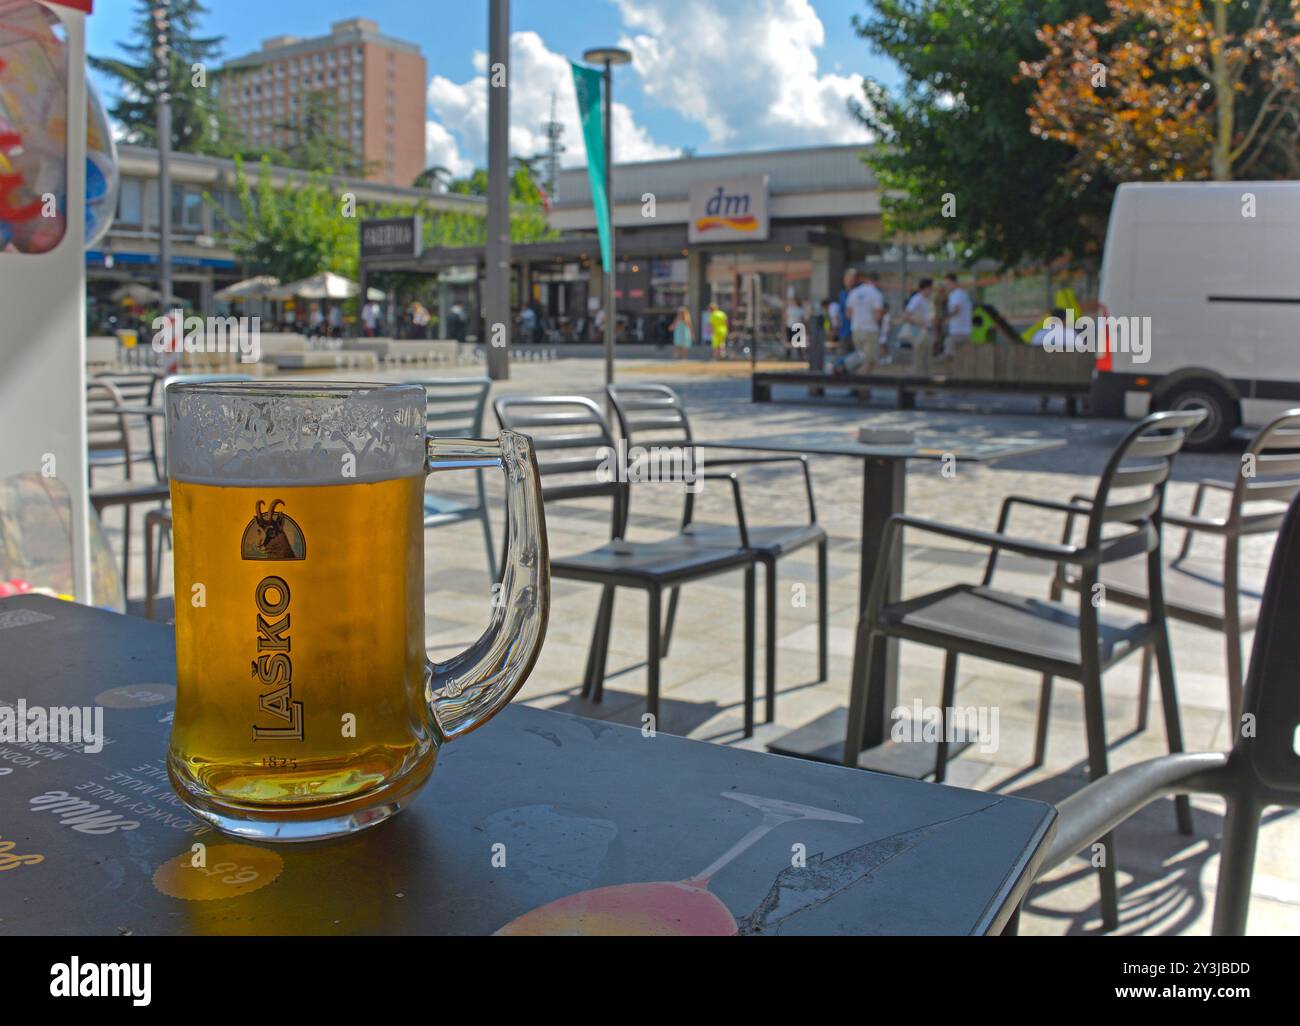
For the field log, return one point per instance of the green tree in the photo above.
(292, 232)
(955, 156)
(305, 227)
(196, 123)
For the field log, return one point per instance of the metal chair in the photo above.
(568, 424)
(1198, 591)
(1262, 769)
(1080, 643)
(108, 443)
(455, 410)
(137, 390)
(654, 415)
(158, 522)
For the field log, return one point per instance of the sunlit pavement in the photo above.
(1167, 880)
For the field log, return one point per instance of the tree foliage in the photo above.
(308, 226)
(955, 155)
(1174, 89)
(196, 123)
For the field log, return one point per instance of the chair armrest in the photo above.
(1078, 505)
(1036, 550)
(738, 461)
(1104, 804)
(1192, 523)
(740, 505)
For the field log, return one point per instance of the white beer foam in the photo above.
(302, 433)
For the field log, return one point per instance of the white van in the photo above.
(1211, 270)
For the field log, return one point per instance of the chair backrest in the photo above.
(1270, 470)
(1132, 487)
(575, 448)
(1272, 697)
(454, 406)
(650, 413)
(106, 428)
(135, 389)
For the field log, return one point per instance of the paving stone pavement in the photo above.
(1167, 881)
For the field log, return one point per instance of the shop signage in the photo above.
(730, 210)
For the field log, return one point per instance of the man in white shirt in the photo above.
(959, 319)
(866, 308)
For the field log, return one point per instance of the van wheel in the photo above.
(1223, 415)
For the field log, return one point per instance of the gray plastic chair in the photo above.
(1078, 643)
(573, 442)
(650, 415)
(1262, 769)
(454, 409)
(1198, 591)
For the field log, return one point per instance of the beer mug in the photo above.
(306, 705)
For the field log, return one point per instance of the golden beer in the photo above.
(301, 674)
(306, 706)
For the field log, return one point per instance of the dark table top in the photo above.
(931, 446)
(570, 804)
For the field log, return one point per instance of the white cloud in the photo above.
(745, 70)
(461, 108)
(441, 150)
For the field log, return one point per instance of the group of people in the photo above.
(933, 326)
(714, 328)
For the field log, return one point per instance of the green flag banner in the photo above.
(588, 82)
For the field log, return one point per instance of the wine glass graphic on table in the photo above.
(685, 907)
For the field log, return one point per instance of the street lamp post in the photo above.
(162, 51)
(609, 56)
(496, 255)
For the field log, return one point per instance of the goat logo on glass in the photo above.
(273, 535)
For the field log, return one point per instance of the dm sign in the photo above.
(729, 210)
(392, 237)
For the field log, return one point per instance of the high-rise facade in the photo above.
(367, 88)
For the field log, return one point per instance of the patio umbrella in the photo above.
(141, 295)
(250, 288)
(325, 285)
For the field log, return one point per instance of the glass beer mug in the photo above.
(306, 705)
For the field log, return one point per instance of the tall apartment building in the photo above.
(374, 85)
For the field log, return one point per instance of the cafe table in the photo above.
(884, 493)
(539, 822)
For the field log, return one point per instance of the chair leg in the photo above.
(1144, 691)
(654, 652)
(749, 650)
(672, 619)
(599, 643)
(1173, 724)
(1044, 712)
(945, 715)
(823, 615)
(126, 553)
(865, 641)
(769, 637)
(1236, 867)
(150, 570)
(486, 521)
(1095, 721)
(1232, 634)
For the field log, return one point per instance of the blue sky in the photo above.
(715, 75)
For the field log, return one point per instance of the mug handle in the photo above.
(469, 689)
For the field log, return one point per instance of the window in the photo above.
(130, 203)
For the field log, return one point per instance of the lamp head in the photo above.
(607, 55)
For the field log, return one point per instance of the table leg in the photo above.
(884, 493)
